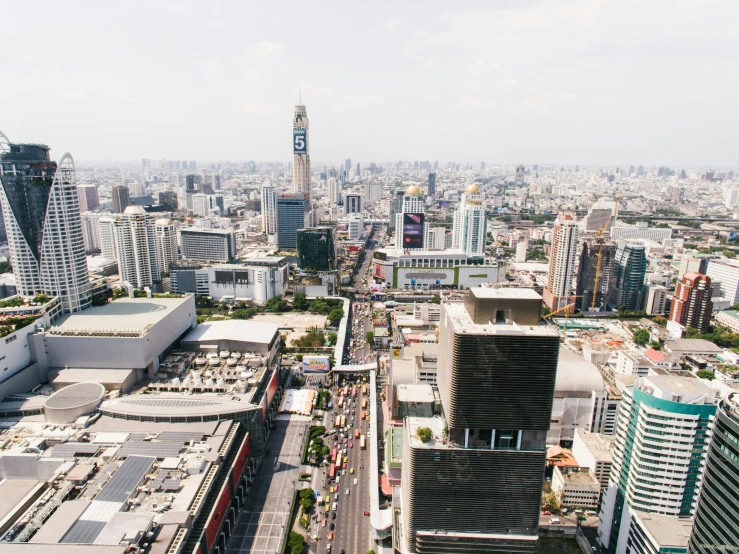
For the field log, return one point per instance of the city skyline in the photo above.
(588, 82)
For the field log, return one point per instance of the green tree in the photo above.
(692, 333)
(436, 299)
(300, 302)
(335, 316)
(425, 434)
(41, 298)
(5, 267)
(246, 313)
(277, 304)
(705, 374)
(641, 337)
(332, 338)
(661, 321)
(370, 338)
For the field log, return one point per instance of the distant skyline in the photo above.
(589, 82)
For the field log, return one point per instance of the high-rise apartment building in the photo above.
(106, 230)
(317, 248)
(121, 198)
(216, 179)
(353, 204)
(208, 245)
(396, 206)
(726, 272)
(301, 154)
(716, 525)
(586, 273)
(42, 219)
(166, 243)
(691, 305)
(664, 425)
(562, 261)
(334, 191)
(626, 286)
(654, 299)
(411, 227)
(136, 245)
(472, 479)
(432, 184)
(469, 231)
(293, 213)
(91, 232)
(373, 191)
(88, 197)
(347, 165)
(269, 213)
(731, 198)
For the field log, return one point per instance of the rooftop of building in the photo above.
(461, 322)
(420, 393)
(577, 477)
(667, 531)
(505, 293)
(206, 231)
(692, 345)
(436, 424)
(233, 329)
(598, 445)
(134, 316)
(677, 388)
(576, 374)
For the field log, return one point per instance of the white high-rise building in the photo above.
(411, 227)
(269, 212)
(106, 232)
(437, 238)
(356, 226)
(200, 204)
(373, 191)
(91, 231)
(470, 226)
(208, 245)
(562, 262)
(301, 153)
(726, 272)
(136, 245)
(166, 243)
(731, 199)
(521, 249)
(334, 191)
(88, 195)
(42, 218)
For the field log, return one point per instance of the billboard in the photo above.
(316, 364)
(413, 230)
(300, 141)
(378, 270)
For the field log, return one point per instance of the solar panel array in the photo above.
(169, 403)
(180, 436)
(72, 449)
(124, 481)
(147, 448)
(83, 532)
(171, 484)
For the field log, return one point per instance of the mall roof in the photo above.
(233, 329)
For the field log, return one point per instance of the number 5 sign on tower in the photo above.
(299, 145)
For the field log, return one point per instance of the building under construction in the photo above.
(586, 276)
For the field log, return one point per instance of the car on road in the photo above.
(351, 445)
(333, 515)
(366, 513)
(343, 472)
(323, 523)
(356, 481)
(334, 506)
(351, 471)
(546, 513)
(338, 479)
(347, 491)
(330, 536)
(333, 526)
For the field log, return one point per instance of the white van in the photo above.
(333, 506)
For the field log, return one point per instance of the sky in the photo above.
(643, 82)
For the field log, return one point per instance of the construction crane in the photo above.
(565, 309)
(601, 241)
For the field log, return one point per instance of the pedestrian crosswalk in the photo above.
(292, 417)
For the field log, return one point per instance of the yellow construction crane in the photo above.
(565, 309)
(599, 238)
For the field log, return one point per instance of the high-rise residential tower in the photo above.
(42, 218)
(88, 195)
(411, 227)
(469, 231)
(269, 212)
(627, 276)
(472, 479)
(301, 153)
(139, 262)
(166, 243)
(691, 304)
(432, 184)
(557, 293)
(716, 525)
(661, 440)
(121, 198)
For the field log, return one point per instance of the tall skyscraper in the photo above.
(432, 184)
(396, 206)
(627, 277)
(88, 197)
(347, 165)
(715, 527)
(168, 199)
(692, 305)
(469, 231)
(42, 218)
(334, 192)
(166, 243)
(269, 212)
(301, 153)
(121, 198)
(136, 245)
(475, 484)
(293, 213)
(411, 227)
(557, 293)
(216, 181)
(586, 272)
(664, 425)
(373, 191)
(91, 232)
(353, 204)
(106, 230)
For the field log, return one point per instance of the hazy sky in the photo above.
(614, 82)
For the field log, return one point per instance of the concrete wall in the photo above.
(14, 352)
(23, 381)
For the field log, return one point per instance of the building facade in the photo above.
(293, 213)
(88, 197)
(664, 426)
(137, 248)
(121, 198)
(726, 272)
(691, 304)
(716, 527)
(654, 299)
(586, 273)
(562, 262)
(269, 213)
(469, 231)
(411, 227)
(432, 184)
(301, 153)
(317, 249)
(208, 245)
(627, 276)
(166, 243)
(353, 204)
(43, 224)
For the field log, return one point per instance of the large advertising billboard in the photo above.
(316, 364)
(413, 230)
(300, 141)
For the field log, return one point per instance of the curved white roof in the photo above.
(233, 329)
(576, 374)
(75, 396)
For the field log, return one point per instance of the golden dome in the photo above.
(472, 189)
(413, 190)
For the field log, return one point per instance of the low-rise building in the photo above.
(594, 451)
(578, 487)
(658, 534)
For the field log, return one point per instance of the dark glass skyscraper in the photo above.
(586, 275)
(121, 198)
(317, 248)
(293, 213)
(716, 526)
(627, 276)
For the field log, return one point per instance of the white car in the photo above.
(347, 491)
(355, 481)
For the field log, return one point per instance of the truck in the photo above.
(338, 421)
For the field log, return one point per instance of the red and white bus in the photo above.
(331, 471)
(333, 456)
(362, 442)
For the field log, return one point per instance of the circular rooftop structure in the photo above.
(72, 402)
(472, 189)
(413, 190)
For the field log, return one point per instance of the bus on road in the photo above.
(362, 443)
(333, 456)
(364, 403)
(338, 421)
(332, 471)
(364, 389)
